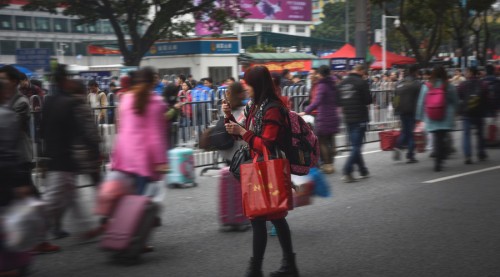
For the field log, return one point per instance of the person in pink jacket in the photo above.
(141, 142)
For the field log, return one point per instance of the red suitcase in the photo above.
(230, 204)
(130, 226)
(388, 139)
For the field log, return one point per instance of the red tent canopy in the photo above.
(391, 58)
(347, 51)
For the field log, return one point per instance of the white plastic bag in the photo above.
(23, 224)
(156, 191)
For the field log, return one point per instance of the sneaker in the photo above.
(348, 178)
(327, 169)
(482, 157)
(364, 174)
(45, 248)
(411, 161)
(396, 154)
(60, 234)
(468, 161)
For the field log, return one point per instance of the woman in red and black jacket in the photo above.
(265, 127)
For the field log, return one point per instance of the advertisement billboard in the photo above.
(292, 10)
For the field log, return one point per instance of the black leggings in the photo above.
(327, 148)
(260, 237)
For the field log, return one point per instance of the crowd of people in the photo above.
(147, 106)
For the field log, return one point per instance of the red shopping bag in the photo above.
(266, 186)
(388, 139)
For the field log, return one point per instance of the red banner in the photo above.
(302, 65)
(99, 50)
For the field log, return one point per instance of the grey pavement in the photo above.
(391, 224)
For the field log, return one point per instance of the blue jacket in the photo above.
(451, 108)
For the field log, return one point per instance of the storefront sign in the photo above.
(302, 65)
(191, 47)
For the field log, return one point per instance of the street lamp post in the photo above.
(384, 40)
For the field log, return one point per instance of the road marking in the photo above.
(460, 175)
(369, 152)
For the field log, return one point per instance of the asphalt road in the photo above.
(394, 223)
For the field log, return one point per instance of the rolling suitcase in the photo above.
(182, 173)
(129, 228)
(230, 205)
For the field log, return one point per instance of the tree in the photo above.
(333, 22)
(139, 23)
(261, 48)
(423, 24)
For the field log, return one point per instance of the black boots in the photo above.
(288, 268)
(255, 268)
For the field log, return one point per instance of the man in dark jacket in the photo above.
(59, 127)
(407, 92)
(473, 94)
(354, 98)
(19, 103)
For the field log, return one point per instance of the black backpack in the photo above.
(405, 98)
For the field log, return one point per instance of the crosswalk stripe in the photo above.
(461, 175)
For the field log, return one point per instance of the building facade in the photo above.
(61, 34)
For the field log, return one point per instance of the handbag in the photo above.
(240, 156)
(219, 138)
(266, 186)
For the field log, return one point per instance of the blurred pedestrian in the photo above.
(458, 78)
(407, 92)
(327, 120)
(265, 128)
(159, 86)
(172, 115)
(28, 89)
(354, 98)
(60, 132)
(473, 94)
(97, 100)
(19, 103)
(439, 128)
(286, 78)
(140, 146)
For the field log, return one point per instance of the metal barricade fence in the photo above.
(197, 116)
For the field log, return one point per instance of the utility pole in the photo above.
(346, 21)
(360, 35)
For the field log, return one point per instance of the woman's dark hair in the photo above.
(324, 71)
(439, 74)
(142, 88)
(11, 72)
(170, 94)
(259, 78)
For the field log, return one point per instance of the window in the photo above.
(300, 29)
(267, 28)
(42, 24)
(81, 49)
(8, 47)
(75, 28)
(23, 23)
(106, 28)
(48, 45)
(284, 28)
(61, 25)
(249, 28)
(27, 44)
(94, 28)
(6, 22)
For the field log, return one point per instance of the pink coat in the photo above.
(141, 142)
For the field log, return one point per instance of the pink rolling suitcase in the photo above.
(230, 205)
(129, 228)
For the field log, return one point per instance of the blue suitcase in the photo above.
(182, 171)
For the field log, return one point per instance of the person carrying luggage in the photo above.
(265, 128)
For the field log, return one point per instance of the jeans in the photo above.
(406, 137)
(356, 132)
(468, 124)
